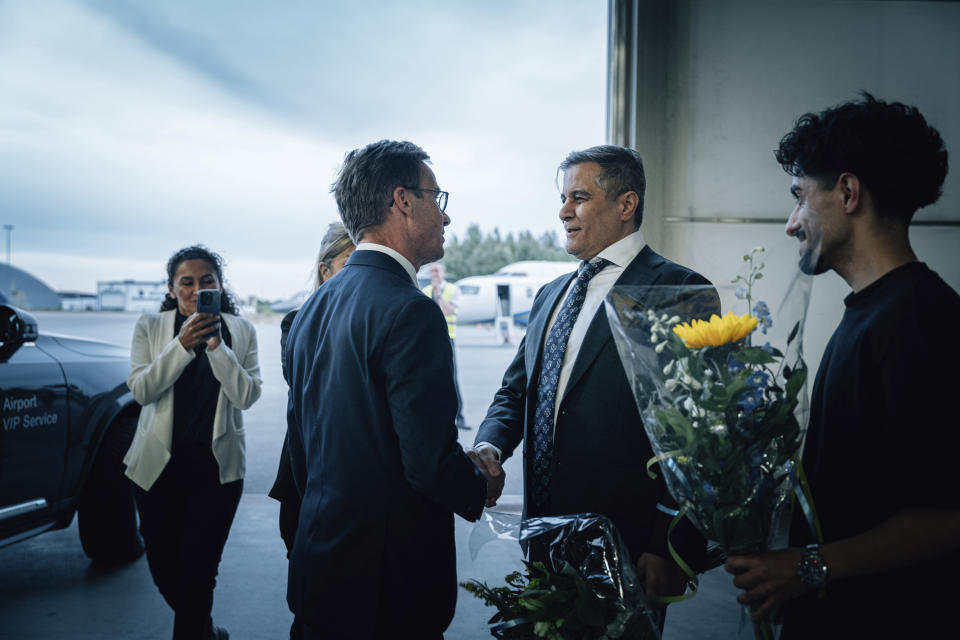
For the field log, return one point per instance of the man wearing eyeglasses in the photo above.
(371, 413)
(566, 395)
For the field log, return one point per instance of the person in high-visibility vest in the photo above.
(447, 297)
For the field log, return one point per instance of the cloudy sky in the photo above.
(130, 128)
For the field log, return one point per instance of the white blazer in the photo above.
(157, 358)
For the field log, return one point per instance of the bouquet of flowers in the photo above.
(578, 583)
(719, 410)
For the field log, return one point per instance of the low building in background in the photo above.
(78, 301)
(130, 295)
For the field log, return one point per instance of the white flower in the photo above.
(673, 320)
(719, 429)
(669, 368)
(660, 347)
(692, 408)
(671, 384)
(690, 381)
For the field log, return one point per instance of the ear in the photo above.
(401, 200)
(325, 272)
(628, 203)
(849, 190)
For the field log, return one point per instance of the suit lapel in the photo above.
(642, 270)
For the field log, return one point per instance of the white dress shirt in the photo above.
(393, 253)
(620, 254)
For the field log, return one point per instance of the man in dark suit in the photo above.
(373, 444)
(566, 394)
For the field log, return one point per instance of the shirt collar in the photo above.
(623, 251)
(393, 253)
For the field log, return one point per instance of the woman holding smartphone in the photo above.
(192, 372)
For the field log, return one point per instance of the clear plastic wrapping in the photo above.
(722, 413)
(584, 555)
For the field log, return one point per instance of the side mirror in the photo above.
(16, 327)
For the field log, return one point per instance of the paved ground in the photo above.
(49, 590)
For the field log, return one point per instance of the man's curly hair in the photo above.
(888, 146)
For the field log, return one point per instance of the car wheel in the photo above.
(106, 513)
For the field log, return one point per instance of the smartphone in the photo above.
(208, 301)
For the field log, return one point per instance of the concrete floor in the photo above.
(49, 590)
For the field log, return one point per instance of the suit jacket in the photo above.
(157, 359)
(374, 452)
(600, 446)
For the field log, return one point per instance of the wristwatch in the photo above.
(812, 569)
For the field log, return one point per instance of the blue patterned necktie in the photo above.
(551, 363)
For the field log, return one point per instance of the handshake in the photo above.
(488, 461)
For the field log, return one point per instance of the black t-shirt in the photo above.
(195, 395)
(883, 436)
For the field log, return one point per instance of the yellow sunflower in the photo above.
(717, 331)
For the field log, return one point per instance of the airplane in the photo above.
(507, 293)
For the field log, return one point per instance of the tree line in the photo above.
(478, 254)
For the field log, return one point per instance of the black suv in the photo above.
(67, 421)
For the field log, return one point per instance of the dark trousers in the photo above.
(184, 521)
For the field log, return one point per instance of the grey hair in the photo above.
(621, 170)
(335, 241)
(364, 187)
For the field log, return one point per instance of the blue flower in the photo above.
(734, 365)
(710, 491)
(759, 380)
(740, 293)
(762, 312)
(750, 400)
(767, 347)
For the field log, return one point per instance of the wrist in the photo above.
(812, 569)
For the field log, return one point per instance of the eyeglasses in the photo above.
(442, 196)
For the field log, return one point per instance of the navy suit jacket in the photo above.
(600, 446)
(374, 453)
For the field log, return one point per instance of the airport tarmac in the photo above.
(50, 591)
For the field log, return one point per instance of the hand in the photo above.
(485, 457)
(196, 327)
(768, 580)
(660, 577)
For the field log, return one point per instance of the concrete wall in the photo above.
(717, 85)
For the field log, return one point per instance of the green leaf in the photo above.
(753, 355)
(797, 378)
(793, 332)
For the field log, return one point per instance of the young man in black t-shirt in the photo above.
(884, 436)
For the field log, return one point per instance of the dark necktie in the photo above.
(551, 363)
